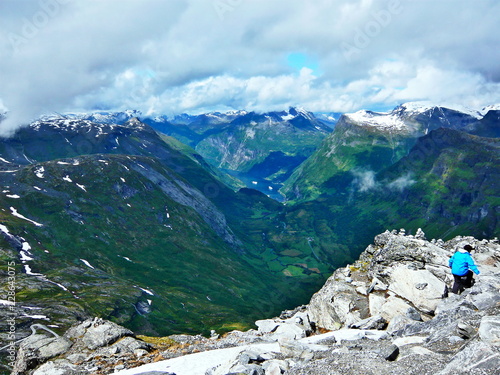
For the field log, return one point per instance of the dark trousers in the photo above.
(462, 282)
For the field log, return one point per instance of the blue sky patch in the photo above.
(299, 60)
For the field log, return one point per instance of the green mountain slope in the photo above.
(368, 140)
(350, 146)
(447, 185)
(143, 218)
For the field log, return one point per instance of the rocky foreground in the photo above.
(388, 313)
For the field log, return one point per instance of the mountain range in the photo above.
(374, 141)
(159, 224)
(258, 150)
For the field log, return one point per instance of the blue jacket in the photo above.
(461, 262)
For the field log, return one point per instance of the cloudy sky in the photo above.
(173, 56)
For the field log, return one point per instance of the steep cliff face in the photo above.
(450, 179)
(488, 126)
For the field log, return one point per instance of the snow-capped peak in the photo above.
(239, 112)
(303, 112)
(61, 122)
(293, 112)
(493, 107)
(101, 117)
(424, 106)
(389, 121)
(417, 107)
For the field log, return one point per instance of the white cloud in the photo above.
(190, 55)
(3, 108)
(401, 183)
(364, 180)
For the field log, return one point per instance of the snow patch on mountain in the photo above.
(386, 121)
(493, 107)
(287, 117)
(17, 214)
(39, 172)
(4, 229)
(25, 256)
(28, 271)
(147, 291)
(87, 264)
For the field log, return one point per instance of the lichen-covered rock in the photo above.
(85, 347)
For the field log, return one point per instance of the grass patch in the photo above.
(159, 342)
(291, 253)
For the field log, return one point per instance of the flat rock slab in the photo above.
(476, 358)
(489, 330)
(420, 287)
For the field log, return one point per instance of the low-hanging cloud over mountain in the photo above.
(366, 180)
(196, 55)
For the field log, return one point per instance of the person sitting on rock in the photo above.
(462, 265)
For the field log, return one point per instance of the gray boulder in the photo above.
(275, 367)
(374, 322)
(420, 287)
(389, 353)
(399, 323)
(37, 349)
(60, 367)
(266, 326)
(484, 297)
(337, 303)
(97, 333)
(247, 370)
(296, 326)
